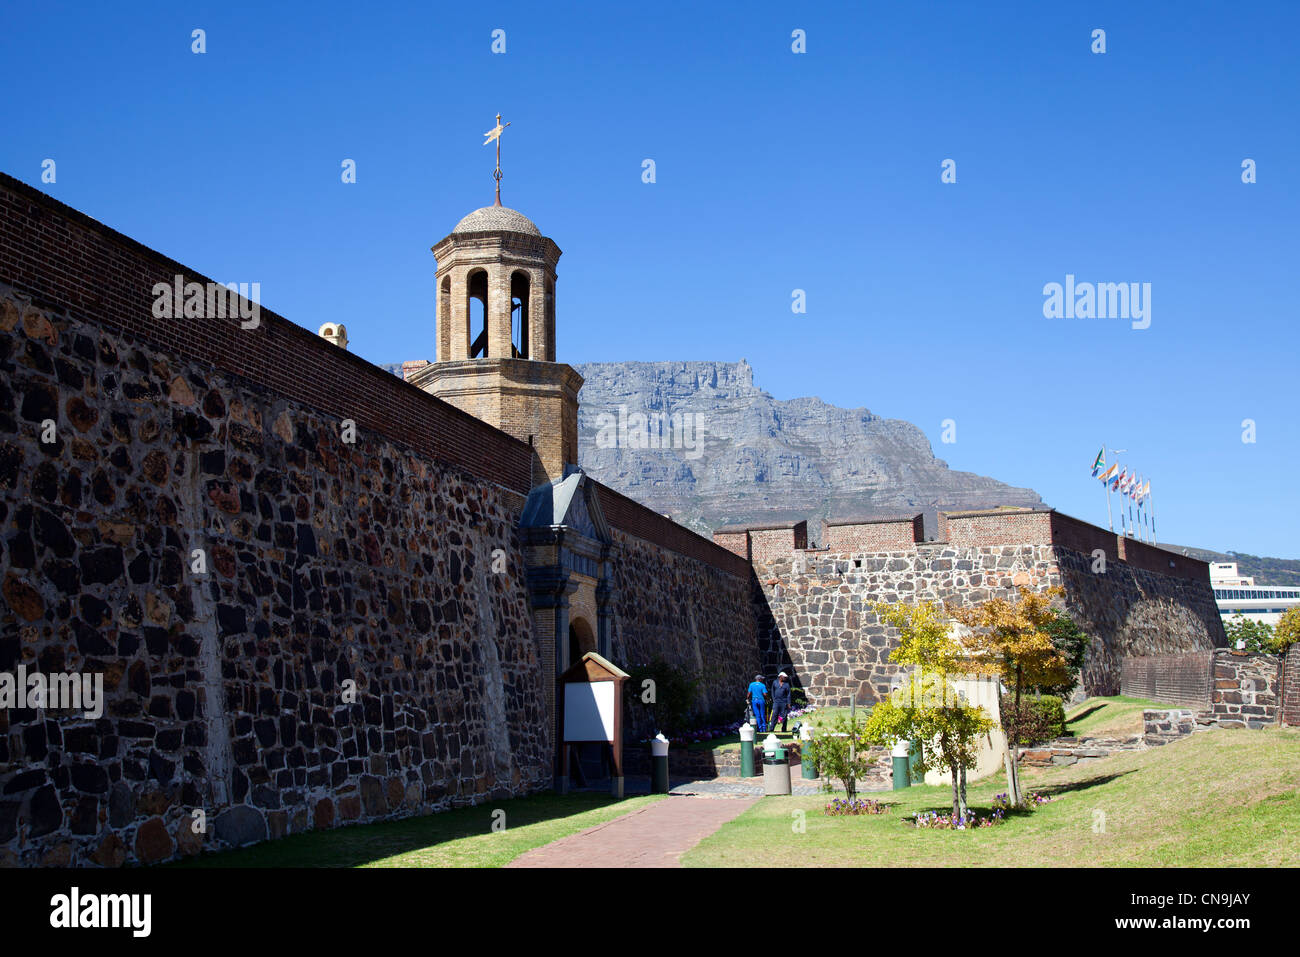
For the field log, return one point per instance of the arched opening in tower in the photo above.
(444, 319)
(519, 290)
(549, 321)
(477, 291)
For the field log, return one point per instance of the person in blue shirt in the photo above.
(758, 700)
(781, 701)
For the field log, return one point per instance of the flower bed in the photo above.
(1032, 800)
(841, 807)
(972, 819)
(955, 822)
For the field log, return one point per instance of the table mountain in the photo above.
(761, 459)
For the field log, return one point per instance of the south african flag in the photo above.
(1101, 460)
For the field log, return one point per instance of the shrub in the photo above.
(1040, 718)
(830, 755)
(1287, 632)
(1253, 635)
(674, 698)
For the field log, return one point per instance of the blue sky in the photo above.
(775, 171)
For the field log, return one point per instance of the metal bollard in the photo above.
(807, 766)
(659, 760)
(902, 769)
(746, 750)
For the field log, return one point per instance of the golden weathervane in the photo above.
(495, 134)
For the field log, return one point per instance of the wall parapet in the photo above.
(64, 259)
(637, 520)
(978, 528)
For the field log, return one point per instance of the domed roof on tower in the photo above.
(497, 219)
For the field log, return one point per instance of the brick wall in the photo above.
(874, 535)
(735, 542)
(1173, 679)
(634, 518)
(1155, 559)
(767, 543)
(1291, 682)
(1084, 537)
(999, 528)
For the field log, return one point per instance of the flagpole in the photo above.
(1105, 487)
(1154, 538)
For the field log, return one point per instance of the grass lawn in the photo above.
(462, 837)
(1114, 717)
(1220, 798)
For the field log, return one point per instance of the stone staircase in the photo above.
(1158, 727)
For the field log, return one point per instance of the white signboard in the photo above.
(589, 711)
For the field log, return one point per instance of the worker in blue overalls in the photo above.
(758, 701)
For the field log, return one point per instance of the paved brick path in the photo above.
(654, 836)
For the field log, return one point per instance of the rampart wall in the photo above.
(821, 621)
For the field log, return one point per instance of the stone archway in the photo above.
(582, 639)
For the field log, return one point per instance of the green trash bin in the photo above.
(776, 771)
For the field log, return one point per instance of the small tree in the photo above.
(1013, 640)
(1287, 632)
(835, 760)
(928, 708)
(672, 696)
(1253, 635)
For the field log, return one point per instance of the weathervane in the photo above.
(495, 134)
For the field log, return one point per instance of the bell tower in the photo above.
(496, 333)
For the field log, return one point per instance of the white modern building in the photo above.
(1238, 595)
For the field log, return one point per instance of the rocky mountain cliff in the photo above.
(760, 459)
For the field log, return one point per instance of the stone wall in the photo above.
(1161, 727)
(230, 564)
(321, 562)
(689, 612)
(1229, 688)
(1247, 689)
(821, 623)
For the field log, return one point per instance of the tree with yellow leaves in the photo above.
(929, 709)
(1013, 640)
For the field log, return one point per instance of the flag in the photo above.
(1117, 484)
(1107, 475)
(1101, 460)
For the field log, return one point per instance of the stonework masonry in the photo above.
(1135, 599)
(1226, 687)
(322, 563)
(392, 560)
